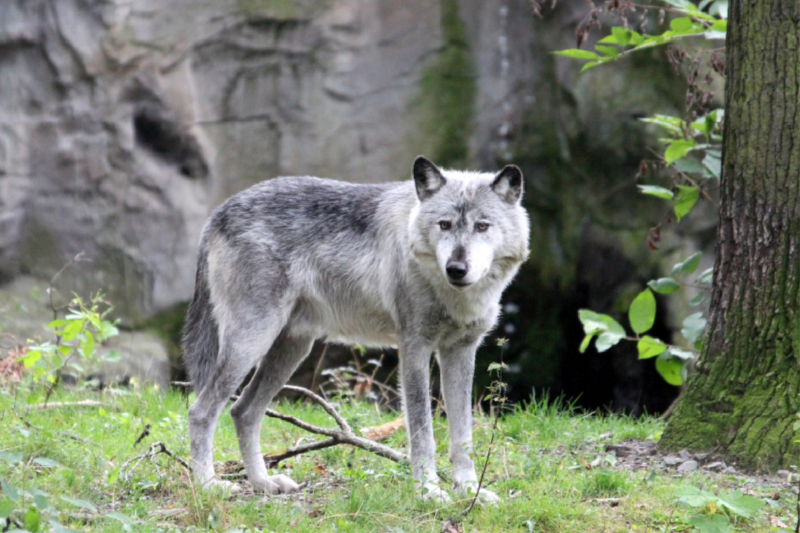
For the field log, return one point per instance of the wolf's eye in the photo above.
(481, 226)
(444, 224)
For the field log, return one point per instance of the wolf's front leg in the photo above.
(415, 381)
(458, 365)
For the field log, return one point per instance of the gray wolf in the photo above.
(420, 265)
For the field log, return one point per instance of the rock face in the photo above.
(123, 123)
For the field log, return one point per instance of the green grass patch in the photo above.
(549, 464)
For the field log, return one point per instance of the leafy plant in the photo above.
(671, 360)
(77, 336)
(717, 511)
(692, 158)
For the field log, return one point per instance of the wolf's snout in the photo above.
(456, 270)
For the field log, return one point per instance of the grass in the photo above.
(542, 467)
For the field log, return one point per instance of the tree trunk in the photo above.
(742, 400)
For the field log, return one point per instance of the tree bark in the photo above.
(742, 400)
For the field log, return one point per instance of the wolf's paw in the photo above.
(221, 486)
(486, 497)
(279, 484)
(433, 492)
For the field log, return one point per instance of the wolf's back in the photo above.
(200, 332)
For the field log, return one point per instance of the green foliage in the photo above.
(78, 335)
(672, 361)
(624, 41)
(717, 511)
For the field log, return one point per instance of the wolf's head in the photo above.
(468, 226)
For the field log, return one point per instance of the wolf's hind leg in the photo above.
(273, 372)
(239, 352)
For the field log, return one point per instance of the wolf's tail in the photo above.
(200, 332)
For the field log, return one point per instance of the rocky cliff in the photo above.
(123, 123)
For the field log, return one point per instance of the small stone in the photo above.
(718, 465)
(730, 470)
(685, 455)
(671, 460)
(688, 466)
(647, 444)
(701, 456)
(783, 473)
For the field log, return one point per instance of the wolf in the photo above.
(419, 265)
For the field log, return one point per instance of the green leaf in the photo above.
(664, 285)
(687, 197)
(678, 149)
(88, 344)
(43, 461)
(32, 520)
(40, 499)
(655, 190)
(608, 51)
(665, 121)
(12, 459)
(608, 39)
(64, 350)
(57, 324)
(80, 503)
(720, 25)
(707, 276)
(688, 166)
(681, 24)
(72, 330)
(716, 523)
(112, 357)
(6, 507)
(622, 35)
(649, 347)
(689, 265)
(670, 368)
(576, 53)
(589, 65)
(693, 327)
(682, 355)
(606, 340)
(30, 358)
(741, 505)
(494, 366)
(642, 312)
(698, 299)
(713, 164)
(9, 490)
(120, 517)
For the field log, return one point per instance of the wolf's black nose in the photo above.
(456, 270)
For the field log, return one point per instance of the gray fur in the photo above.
(419, 265)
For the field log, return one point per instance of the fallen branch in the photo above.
(82, 403)
(154, 449)
(344, 435)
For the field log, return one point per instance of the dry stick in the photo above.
(318, 368)
(343, 436)
(82, 403)
(154, 449)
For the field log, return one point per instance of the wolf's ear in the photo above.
(508, 184)
(427, 178)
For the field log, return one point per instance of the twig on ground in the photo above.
(344, 435)
(82, 403)
(154, 449)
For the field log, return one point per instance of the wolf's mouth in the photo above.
(459, 284)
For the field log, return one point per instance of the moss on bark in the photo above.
(743, 399)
